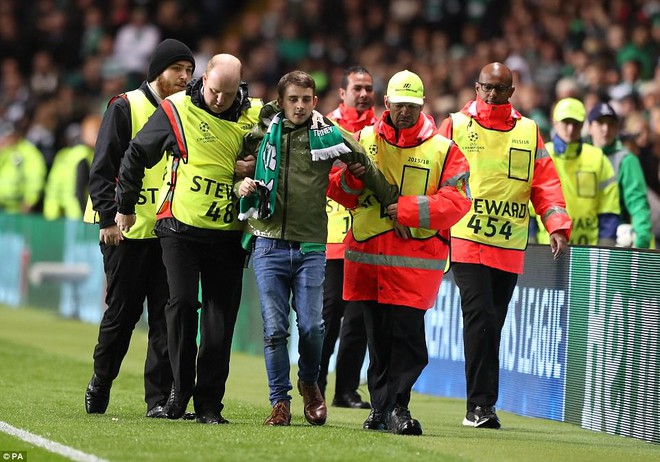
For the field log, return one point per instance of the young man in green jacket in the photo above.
(635, 210)
(285, 206)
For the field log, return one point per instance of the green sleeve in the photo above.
(632, 187)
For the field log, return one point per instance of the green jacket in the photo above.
(300, 208)
(632, 192)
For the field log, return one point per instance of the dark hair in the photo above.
(352, 70)
(299, 78)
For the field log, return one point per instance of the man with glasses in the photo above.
(509, 166)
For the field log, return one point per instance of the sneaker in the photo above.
(377, 420)
(482, 417)
(402, 423)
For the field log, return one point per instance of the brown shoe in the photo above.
(315, 410)
(281, 415)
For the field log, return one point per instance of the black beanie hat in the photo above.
(167, 53)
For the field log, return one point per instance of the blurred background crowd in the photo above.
(61, 60)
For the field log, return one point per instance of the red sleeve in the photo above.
(445, 128)
(445, 207)
(547, 196)
(344, 188)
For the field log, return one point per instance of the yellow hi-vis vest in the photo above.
(198, 186)
(339, 221)
(501, 173)
(60, 198)
(590, 188)
(416, 171)
(145, 209)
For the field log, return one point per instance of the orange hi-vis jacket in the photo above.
(432, 175)
(494, 138)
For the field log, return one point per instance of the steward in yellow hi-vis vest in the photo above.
(396, 253)
(590, 188)
(507, 173)
(133, 260)
(200, 131)
(141, 109)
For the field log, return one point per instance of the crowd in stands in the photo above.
(61, 60)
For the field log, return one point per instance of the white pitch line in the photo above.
(52, 446)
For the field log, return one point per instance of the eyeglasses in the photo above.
(488, 87)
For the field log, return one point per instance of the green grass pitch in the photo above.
(46, 362)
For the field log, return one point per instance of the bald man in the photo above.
(201, 129)
(509, 166)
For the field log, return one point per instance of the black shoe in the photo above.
(97, 396)
(157, 412)
(402, 423)
(482, 417)
(351, 400)
(177, 404)
(375, 421)
(189, 416)
(210, 417)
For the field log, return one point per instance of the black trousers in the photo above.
(346, 322)
(485, 295)
(134, 272)
(219, 267)
(397, 352)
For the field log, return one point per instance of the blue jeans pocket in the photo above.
(263, 246)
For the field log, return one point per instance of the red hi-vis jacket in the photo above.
(496, 125)
(432, 175)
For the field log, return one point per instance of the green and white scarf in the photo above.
(325, 142)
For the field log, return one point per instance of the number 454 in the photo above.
(490, 227)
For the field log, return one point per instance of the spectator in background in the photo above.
(132, 260)
(391, 249)
(587, 179)
(134, 43)
(62, 196)
(22, 170)
(509, 167)
(355, 112)
(604, 130)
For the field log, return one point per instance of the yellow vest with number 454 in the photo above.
(501, 173)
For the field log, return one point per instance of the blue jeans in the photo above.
(283, 272)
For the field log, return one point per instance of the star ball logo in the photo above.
(473, 137)
(373, 149)
(207, 135)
